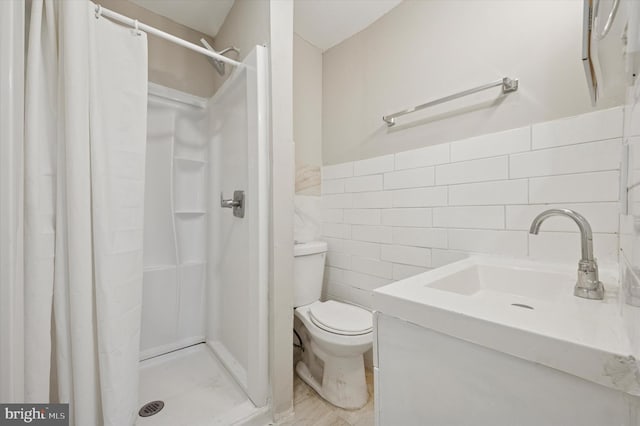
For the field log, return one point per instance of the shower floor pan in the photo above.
(195, 388)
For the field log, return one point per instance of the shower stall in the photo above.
(139, 266)
(206, 266)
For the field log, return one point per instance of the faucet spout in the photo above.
(586, 236)
(588, 285)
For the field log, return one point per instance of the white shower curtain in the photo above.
(85, 132)
(12, 30)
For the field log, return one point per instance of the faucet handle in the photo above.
(588, 285)
(236, 203)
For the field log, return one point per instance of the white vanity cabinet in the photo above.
(494, 341)
(423, 377)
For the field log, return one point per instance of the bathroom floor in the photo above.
(195, 388)
(312, 410)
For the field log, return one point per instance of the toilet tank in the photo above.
(308, 270)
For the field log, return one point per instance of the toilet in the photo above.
(334, 335)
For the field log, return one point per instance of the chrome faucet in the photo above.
(589, 285)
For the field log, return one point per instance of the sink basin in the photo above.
(485, 281)
(523, 308)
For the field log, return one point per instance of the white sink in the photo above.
(483, 281)
(523, 308)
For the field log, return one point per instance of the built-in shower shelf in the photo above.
(150, 268)
(195, 139)
(193, 263)
(191, 212)
(190, 160)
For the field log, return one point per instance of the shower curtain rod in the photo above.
(134, 23)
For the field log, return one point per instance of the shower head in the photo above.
(218, 65)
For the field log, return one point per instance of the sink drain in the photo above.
(151, 408)
(520, 305)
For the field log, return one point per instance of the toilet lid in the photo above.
(340, 318)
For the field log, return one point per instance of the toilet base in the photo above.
(343, 381)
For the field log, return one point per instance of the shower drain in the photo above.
(151, 408)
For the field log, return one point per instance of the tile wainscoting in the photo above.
(390, 217)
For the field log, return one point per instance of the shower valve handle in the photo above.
(237, 203)
(228, 203)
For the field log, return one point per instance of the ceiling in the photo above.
(323, 23)
(205, 16)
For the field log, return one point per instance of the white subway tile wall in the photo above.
(391, 217)
(373, 165)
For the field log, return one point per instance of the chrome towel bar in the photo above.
(508, 85)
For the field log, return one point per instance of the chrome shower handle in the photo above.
(230, 203)
(236, 203)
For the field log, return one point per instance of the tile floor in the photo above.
(195, 388)
(312, 410)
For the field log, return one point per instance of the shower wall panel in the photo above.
(159, 246)
(231, 234)
(175, 223)
(237, 305)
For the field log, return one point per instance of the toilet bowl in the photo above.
(333, 363)
(334, 335)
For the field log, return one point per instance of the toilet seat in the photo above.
(340, 318)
